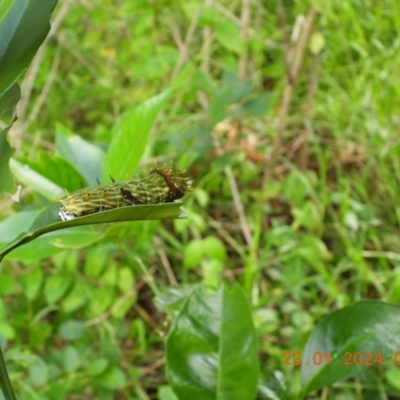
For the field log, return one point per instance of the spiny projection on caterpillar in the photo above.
(163, 185)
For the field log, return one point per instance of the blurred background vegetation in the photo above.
(286, 115)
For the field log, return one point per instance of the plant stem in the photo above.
(5, 383)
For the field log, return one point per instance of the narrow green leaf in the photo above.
(56, 286)
(24, 24)
(31, 283)
(56, 170)
(86, 158)
(130, 137)
(30, 177)
(76, 298)
(72, 329)
(8, 102)
(212, 347)
(71, 359)
(368, 328)
(49, 220)
(6, 151)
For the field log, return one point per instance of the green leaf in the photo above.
(258, 105)
(8, 102)
(113, 378)
(214, 248)
(297, 187)
(166, 393)
(24, 24)
(365, 327)
(76, 298)
(6, 151)
(71, 359)
(38, 372)
(172, 297)
(99, 300)
(95, 261)
(7, 284)
(125, 280)
(56, 286)
(12, 226)
(31, 283)
(72, 330)
(97, 366)
(49, 220)
(228, 35)
(30, 177)
(212, 347)
(130, 137)
(56, 170)
(86, 158)
(273, 388)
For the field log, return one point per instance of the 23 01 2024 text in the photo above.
(367, 358)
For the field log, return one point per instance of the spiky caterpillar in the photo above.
(163, 185)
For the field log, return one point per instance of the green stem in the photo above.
(5, 383)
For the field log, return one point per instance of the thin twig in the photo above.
(108, 313)
(244, 28)
(174, 30)
(43, 94)
(188, 39)
(165, 262)
(239, 206)
(27, 84)
(312, 88)
(232, 17)
(291, 80)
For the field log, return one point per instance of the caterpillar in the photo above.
(163, 185)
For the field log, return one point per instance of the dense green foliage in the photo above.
(293, 218)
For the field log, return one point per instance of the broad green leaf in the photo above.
(6, 151)
(49, 220)
(24, 24)
(212, 347)
(368, 328)
(86, 158)
(130, 137)
(172, 297)
(273, 388)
